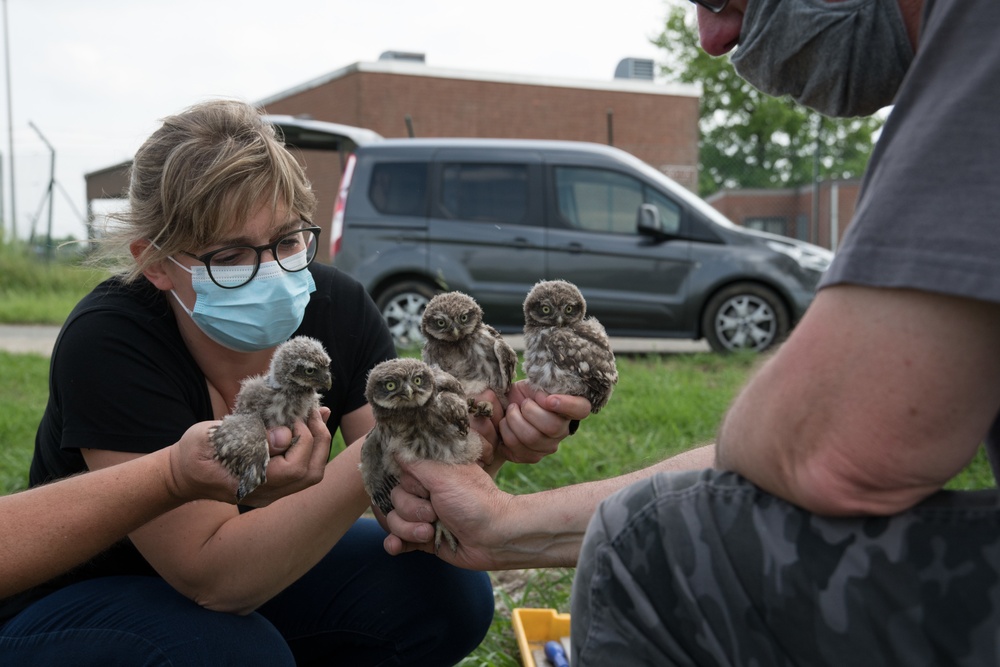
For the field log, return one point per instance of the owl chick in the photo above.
(420, 413)
(285, 394)
(457, 340)
(565, 351)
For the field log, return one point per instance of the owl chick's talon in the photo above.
(439, 532)
(480, 408)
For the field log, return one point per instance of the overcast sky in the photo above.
(95, 76)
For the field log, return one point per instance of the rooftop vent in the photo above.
(408, 56)
(635, 68)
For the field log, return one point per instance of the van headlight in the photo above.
(811, 258)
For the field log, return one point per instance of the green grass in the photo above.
(33, 291)
(23, 391)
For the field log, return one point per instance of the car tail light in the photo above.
(337, 227)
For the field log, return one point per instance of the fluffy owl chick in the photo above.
(457, 340)
(566, 352)
(285, 394)
(420, 413)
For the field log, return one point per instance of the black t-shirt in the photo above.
(121, 379)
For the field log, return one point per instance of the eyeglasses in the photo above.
(714, 6)
(235, 266)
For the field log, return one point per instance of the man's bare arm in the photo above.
(876, 400)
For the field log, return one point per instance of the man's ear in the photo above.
(155, 272)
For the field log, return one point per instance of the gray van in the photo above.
(492, 217)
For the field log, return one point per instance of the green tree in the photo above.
(752, 140)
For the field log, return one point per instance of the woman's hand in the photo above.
(532, 427)
(295, 464)
(536, 422)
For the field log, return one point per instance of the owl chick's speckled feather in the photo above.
(420, 413)
(565, 351)
(457, 340)
(285, 394)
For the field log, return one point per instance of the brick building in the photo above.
(790, 211)
(657, 123)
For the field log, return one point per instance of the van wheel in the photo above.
(402, 305)
(745, 316)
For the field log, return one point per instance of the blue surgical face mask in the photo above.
(258, 315)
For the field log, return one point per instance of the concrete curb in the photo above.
(28, 338)
(40, 339)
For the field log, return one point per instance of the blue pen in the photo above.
(556, 655)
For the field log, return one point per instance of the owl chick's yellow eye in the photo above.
(464, 318)
(441, 324)
(310, 371)
(390, 385)
(569, 310)
(546, 310)
(418, 380)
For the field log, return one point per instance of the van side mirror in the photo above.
(648, 220)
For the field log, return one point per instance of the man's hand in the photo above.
(465, 499)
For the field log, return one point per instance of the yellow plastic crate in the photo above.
(534, 627)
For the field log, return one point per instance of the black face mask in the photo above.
(840, 58)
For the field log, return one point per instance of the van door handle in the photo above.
(521, 242)
(575, 248)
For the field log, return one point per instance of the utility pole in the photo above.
(3, 208)
(52, 183)
(10, 129)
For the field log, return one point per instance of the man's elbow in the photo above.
(822, 490)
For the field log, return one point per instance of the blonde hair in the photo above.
(202, 173)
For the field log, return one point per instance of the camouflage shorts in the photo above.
(703, 568)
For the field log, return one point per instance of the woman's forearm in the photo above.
(246, 559)
(49, 529)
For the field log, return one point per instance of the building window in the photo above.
(771, 225)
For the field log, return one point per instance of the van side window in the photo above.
(599, 200)
(485, 192)
(399, 188)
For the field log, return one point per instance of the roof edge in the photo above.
(419, 69)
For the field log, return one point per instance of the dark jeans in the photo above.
(358, 606)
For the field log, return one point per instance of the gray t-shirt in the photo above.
(928, 215)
